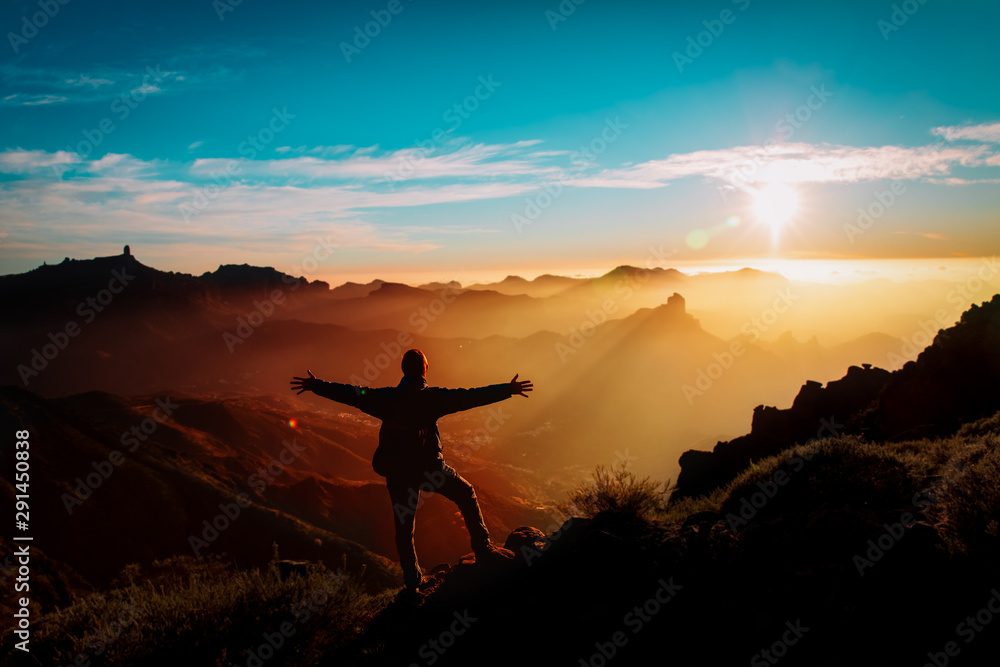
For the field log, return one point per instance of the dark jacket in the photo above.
(409, 441)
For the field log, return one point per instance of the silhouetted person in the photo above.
(409, 448)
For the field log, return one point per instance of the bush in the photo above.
(969, 509)
(201, 611)
(984, 426)
(618, 491)
(843, 471)
(677, 511)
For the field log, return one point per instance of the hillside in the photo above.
(100, 516)
(860, 554)
(874, 552)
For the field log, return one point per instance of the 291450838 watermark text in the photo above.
(22, 518)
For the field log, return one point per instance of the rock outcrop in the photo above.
(816, 412)
(955, 380)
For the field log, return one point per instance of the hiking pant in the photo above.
(404, 494)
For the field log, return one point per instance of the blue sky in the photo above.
(496, 137)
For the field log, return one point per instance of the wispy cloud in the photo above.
(84, 80)
(988, 132)
(20, 161)
(31, 86)
(68, 196)
(456, 160)
(927, 235)
(965, 181)
(28, 100)
(117, 165)
(797, 163)
(342, 189)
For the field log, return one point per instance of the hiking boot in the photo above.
(491, 553)
(414, 580)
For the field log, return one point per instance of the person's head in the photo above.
(414, 364)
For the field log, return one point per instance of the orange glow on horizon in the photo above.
(828, 270)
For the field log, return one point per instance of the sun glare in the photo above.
(775, 204)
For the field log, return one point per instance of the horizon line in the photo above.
(792, 269)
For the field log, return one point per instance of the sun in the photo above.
(775, 204)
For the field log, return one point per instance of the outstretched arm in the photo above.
(305, 384)
(456, 400)
(519, 388)
(347, 394)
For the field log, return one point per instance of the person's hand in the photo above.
(520, 387)
(305, 384)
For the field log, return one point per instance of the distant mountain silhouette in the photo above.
(542, 286)
(438, 286)
(350, 290)
(255, 278)
(239, 329)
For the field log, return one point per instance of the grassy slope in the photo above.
(793, 558)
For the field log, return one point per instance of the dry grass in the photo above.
(201, 611)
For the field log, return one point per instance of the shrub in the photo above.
(969, 509)
(983, 426)
(619, 491)
(677, 511)
(843, 471)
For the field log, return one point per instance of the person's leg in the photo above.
(401, 493)
(458, 490)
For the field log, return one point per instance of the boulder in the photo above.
(525, 536)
